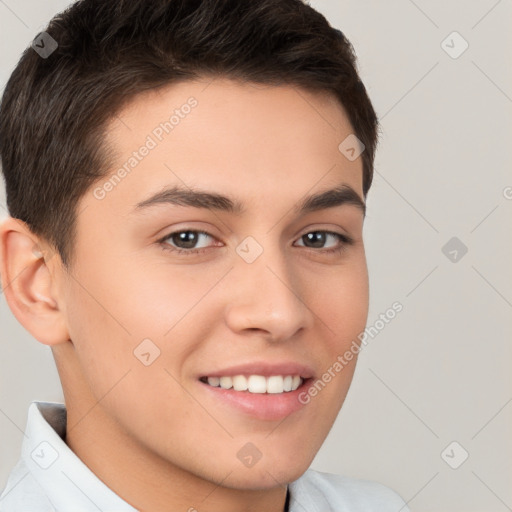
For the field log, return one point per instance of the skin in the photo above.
(152, 433)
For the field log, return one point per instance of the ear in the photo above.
(29, 286)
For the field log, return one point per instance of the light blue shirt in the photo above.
(49, 477)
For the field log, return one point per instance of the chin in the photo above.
(266, 475)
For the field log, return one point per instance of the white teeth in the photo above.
(213, 381)
(275, 384)
(240, 383)
(226, 382)
(258, 383)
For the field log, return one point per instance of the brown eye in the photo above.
(185, 241)
(318, 239)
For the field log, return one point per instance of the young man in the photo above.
(186, 183)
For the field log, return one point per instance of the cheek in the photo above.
(113, 308)
(128, 362)
(101, 339)
(134, 299)
(341, 302)
(343, 310)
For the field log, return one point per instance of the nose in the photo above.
(266, 297)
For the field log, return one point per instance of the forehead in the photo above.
(247, 140)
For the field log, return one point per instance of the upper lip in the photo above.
(264, 368)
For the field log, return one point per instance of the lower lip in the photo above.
(263, 406)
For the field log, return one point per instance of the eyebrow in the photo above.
(338, 196)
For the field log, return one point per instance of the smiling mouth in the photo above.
(258, 384)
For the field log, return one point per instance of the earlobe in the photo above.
(28, 283)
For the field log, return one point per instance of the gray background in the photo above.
(441, 370)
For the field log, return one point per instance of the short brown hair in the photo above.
(55, 109)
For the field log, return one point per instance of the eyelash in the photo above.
(344, 242)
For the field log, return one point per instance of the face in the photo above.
(176, 295)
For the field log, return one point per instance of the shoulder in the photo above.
(326, 491)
